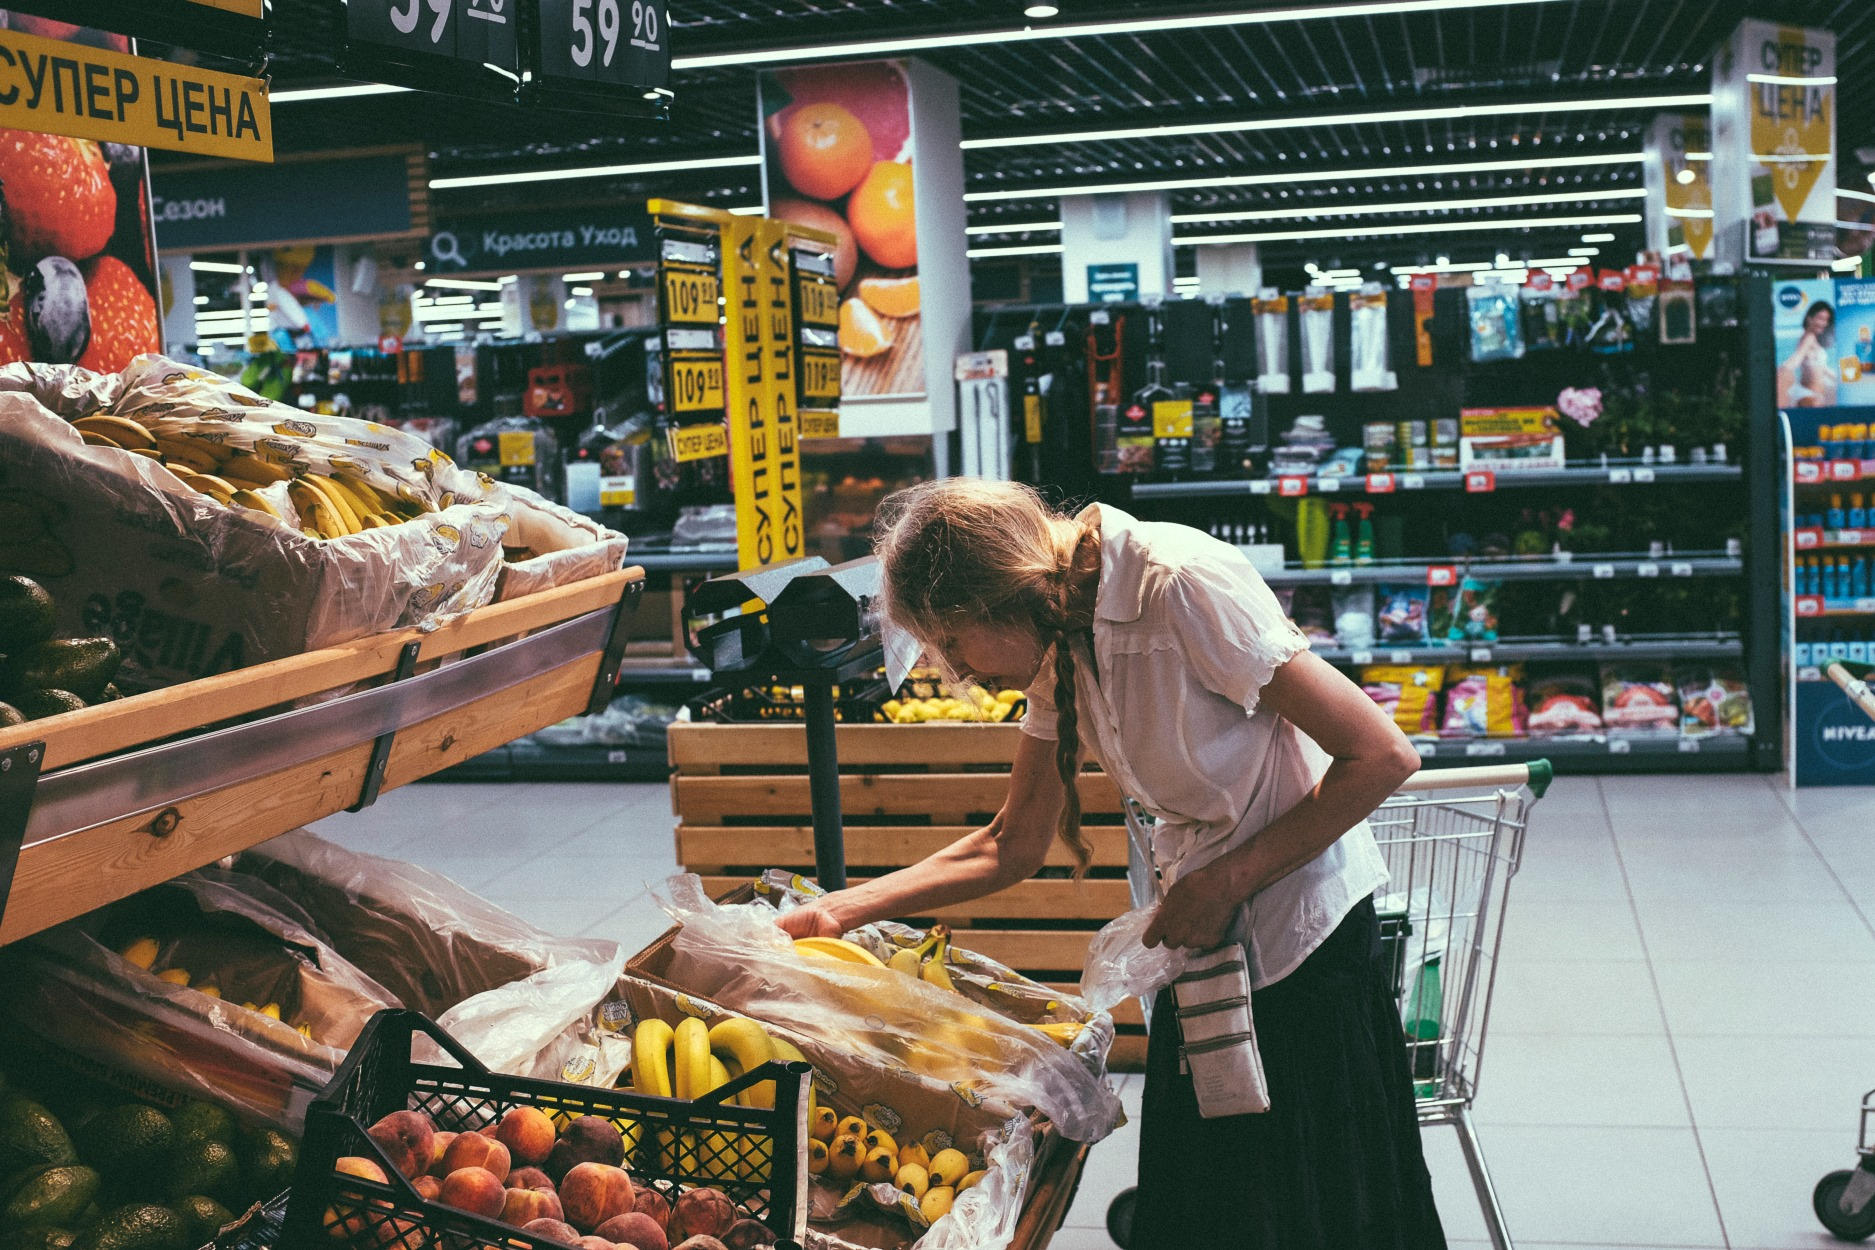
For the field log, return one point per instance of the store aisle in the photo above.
(1682, 1032)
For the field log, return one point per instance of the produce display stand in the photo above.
(98, 804)
(742, 801)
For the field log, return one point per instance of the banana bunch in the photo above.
(694, 1060)
(835, 950)
(849, 1148)
(1062, 1031)
(326, 506)
(926, 960)
(981, 706)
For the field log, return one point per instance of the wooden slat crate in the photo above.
(740, 795)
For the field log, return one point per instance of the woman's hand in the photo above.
(1197, 911)
(816, 919)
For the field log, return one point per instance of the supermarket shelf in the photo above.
(685, 561)
(539, 761)
(661, 673)
(1708, 647)
(1452, 480)
(1582, 568)
(1597, 753)
(1811, 539)
(1832, 472)
(1816, 607)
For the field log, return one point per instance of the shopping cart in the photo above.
(1452, 839)
(1845, 1201)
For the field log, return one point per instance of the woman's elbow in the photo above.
(1402, 759)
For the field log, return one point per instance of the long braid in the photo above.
(1068, 755)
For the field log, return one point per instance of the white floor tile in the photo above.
(1764, 1180)
(1559, 999)
(1580, 1080)
(1802, 932)
(1743, 877)
(1544, 929)
(1585, 870)
(1742, 1000)
(1777, 1082)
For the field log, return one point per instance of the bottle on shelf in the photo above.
(1858, 513)
(1834, 518)
(1858, 578)
(1341, 547)
(1364, 536)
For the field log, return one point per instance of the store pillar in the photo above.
(1101, 231)
(1229, 269)
(1679, 185)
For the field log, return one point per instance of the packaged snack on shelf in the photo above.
(1312, 610)
(1472, 616)
(1638, 699)
(1403, 615)
(1496, 332)
(1410, 695)
(1354, 616)
(1564, 703)
(1714, 699)
(1484, 703)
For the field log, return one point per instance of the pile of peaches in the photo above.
(564, 1185)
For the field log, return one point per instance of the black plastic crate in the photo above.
(753, 1155)
(858, 703)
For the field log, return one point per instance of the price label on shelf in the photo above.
(1099, 317)
(1808, 538)
(1400, 656)
(1427, 750)
(1259, 486)
(1643, 474)
(1481, 655)
(1380, 484)
(1340, 577)
(1809, 471)
(1682, 568)
(691, 295)
(1850, 538)
(1412, 481)
(1293, 487)
(1585, 633)
(1361, 657)
(1603, 571)
(1809, 605)
(1845, 470)
(1620, 477)
(1055, 338)
(1689, 746)
(608, 43)
(1328, 485)
(1024, 343)
(1619, 746)
(1441, 575)
(1480, 482)
(1647, 568)
(1475, 750)
(615, 756)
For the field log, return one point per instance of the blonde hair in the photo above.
(967, 550)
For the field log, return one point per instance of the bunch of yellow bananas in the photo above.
(926, 961)
(696, 1059)
(850, 1148)
(835, 950)
(981, 706)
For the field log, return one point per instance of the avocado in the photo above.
(38, 704)
(83, 666)
(205, 1217)
(39, 1237)
(25, 613)
(203, 1167)
(267, 1161)
(54, 1196)
(31, 1137)
(127, 1138)
(137, 1227)
(10, 715)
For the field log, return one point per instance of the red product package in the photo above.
(1565, 703)
(1638, 699)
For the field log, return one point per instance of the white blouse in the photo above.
(1187, 635)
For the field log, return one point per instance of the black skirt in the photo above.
(1335, 1163)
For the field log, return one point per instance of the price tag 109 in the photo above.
(690, 296)
(695, 383)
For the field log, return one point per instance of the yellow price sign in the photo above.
(820, 375)
(246, 8)
(699, 442)
(820, 301)
(820, 424)
(691, 296)
(695, 383)
(58, 88)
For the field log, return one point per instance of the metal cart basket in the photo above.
(1452, 839)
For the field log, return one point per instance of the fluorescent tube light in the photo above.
(1603, 237)
(1449, 112)
(594, 276)
(463, 284)
(1858, 195)
(1410, 206)
(591, 171)
(1423, 227)
(1124, 26)
(1036, 249)
(215, 266)
(1017, 227)
(298, 95)
(1288, 177)
(1789, 80)
(1585, 251)
(1688, 212)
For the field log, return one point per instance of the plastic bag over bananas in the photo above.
(736, 955)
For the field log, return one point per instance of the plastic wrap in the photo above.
(1318, 342)
(1271, 307)
(735, 954)
(1368, 346)
(1121, 966)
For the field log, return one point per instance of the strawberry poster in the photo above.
(79, 271)
(837, 156)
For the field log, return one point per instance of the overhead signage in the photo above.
(244, 8)
(764, 448)
(1113, 284)
(1774, 143)
(69, 89)
(561, 239)
(1679, 186)
(323, 201)
(622, 45)
(477, 34)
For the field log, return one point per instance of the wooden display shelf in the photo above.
(740, 793)
(107, 801)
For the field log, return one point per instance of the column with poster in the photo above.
(1774, 145)
(1679, 186)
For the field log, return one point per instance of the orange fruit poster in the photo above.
(837, 157)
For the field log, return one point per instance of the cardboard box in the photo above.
(1509, 440)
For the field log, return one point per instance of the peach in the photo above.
(558, 1230)
(527, 1132)
(407, 1139)
(345, 1219)
(706, 1212)
(588, 1139)
(594, 1243)
(748, 1235)
(472, 1150)
(702, 1241)
(531, 1178)
(593, 1193)
(634, 1230)
(439, 1146)
(428, 1188)
(649, 1201)
(475, 1190)
(524, 1206)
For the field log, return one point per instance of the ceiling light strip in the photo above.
(592, 171)
(1017, 227)
(299, 95)
(1411, 206)
(1287, 176)
(1032, 249)
(1423, 227)
(1453, 112)
(1079, 30)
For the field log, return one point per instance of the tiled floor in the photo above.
(1685, 1014)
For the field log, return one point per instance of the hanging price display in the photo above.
(616, 48)
(690, 286)
(468, 47)
(816, 328)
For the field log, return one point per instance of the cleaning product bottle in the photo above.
(1312, 532)
(1364, 537)
(1858, 514)
(1834, 518)
(1341, 548)
(1858, 578)
(1830, 591)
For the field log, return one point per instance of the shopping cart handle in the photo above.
(1537, 774)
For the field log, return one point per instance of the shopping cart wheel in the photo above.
(1120, 1217)
(1826, 1201)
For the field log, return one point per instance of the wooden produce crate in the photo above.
(740, 794)
(98, 804)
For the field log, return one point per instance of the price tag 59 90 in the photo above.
(607, 41)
